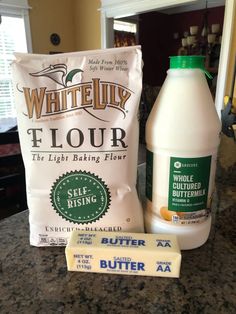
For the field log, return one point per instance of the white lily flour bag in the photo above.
(78, 129)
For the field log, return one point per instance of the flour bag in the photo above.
(78, 129)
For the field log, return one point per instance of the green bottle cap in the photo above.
(189, 62)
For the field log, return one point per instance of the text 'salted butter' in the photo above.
(124, 253)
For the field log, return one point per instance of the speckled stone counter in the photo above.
(35, 280)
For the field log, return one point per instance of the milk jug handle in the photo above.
(208, 74)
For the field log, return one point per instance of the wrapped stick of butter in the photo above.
(124, 253)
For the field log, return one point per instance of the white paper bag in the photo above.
(78, 128)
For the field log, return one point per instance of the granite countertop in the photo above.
(35, 280)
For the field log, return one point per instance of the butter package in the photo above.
(124, 253)
(77, 117)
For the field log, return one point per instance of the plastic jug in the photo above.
(182, 136)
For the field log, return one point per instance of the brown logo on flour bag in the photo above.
(80, 96)
(78, 129)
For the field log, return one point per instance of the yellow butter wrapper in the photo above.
(124, 253)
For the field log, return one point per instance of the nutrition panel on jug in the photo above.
(182, 136)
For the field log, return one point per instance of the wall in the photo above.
(232, 59)
(160, 44)
(182, 21)
(154, 37)
(76, 21)
(87, 23)
(47, 17)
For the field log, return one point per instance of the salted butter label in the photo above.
(124, 253)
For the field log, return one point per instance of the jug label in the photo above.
(188, 183)
(178, 189)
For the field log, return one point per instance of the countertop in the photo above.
(35, 280)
